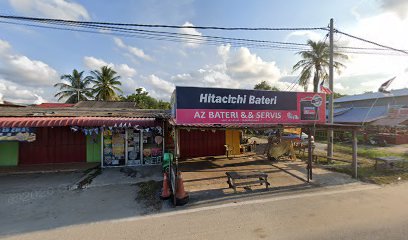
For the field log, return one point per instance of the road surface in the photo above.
(363, 213)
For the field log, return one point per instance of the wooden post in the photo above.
(354, 163)
(309, 156)
(177, 146)
(174, 168)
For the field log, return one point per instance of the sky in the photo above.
(33, 59)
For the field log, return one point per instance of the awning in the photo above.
(75, 121)
(240, 125)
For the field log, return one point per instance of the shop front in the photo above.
(132, 146)
(110, 141)
(211, 120)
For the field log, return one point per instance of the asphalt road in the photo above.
(371, 213)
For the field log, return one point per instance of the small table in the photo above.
(389, 161)
(262, 178)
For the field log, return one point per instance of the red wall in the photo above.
(197, 143)
(395, 139)
(54, 145)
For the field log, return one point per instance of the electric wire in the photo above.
(163, 26)
(371, 42)
(117, 29)
(155, 37)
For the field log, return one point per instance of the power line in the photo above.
(290, 87)
(162, 26)
(176, 38)
(195, 36)
(371, 42)
(188, 38)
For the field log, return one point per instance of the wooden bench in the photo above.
(315, 158)
(389, 161)
(261, 178)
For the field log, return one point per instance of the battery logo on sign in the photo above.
(309, 110)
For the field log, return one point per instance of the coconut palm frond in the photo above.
(75, 88)
(106, 82)
(315, 63)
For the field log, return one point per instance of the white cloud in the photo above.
(247, 67)
(209, 76)
(340, 87)
(314, 36)
(4, 46)
(239, 68)
(158, 87)
(223, 51)
(61, 9)
(368, 72)
(124, 70)
(400, 7)
(22, 70)
(93, 63)
(20, 94)
(193, 43)
(132, 50)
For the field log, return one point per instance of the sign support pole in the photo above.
(309, 155)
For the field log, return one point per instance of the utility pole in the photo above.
(330, 96)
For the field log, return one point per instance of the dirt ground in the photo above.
(205, 178)
(34, 202)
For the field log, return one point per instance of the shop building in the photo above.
(211, 120)
(116, 134)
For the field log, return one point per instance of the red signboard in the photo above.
(217, 106)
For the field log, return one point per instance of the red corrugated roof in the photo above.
(74, 121)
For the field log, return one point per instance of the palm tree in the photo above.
(105, 83)
(316, 61)
(76, 89)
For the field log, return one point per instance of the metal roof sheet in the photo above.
(106, 104)
(389, 121)
(361, 114)
(365, 96)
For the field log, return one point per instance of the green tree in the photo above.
(265, 86)
(316, 62)
(338, 95)
(106, 82)
(76, 89)
(144, 101)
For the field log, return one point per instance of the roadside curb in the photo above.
(41, 172)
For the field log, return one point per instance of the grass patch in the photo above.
(367, 152)
(367, 172)
(148, 194)
(379, 176)
(366, 161)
